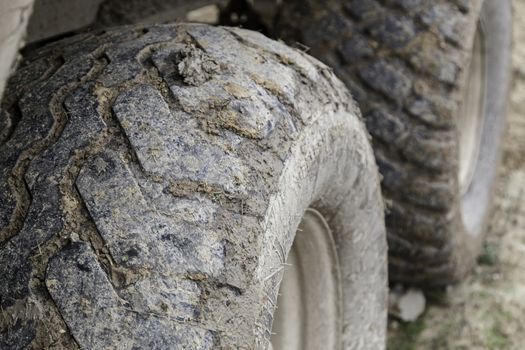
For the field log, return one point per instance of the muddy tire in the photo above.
(407, 65)
(152, 182)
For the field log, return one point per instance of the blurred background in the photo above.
(487, 310)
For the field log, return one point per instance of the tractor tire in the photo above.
(431, 79)
(152, 181)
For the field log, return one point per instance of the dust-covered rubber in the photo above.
(152, 181)
(405, 62)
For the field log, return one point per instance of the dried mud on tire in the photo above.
(152, 180)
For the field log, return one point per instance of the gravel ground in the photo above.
(487, 311)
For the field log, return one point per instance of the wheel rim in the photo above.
(471, 116)
(308, 314)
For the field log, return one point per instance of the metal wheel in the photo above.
(309, 308)
(472, 114)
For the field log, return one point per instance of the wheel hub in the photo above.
(471, 115)
(308, 314)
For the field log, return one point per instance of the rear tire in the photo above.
(407, 64)
(152, 183)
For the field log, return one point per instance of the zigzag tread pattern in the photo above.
(145, 130)
(404, 62)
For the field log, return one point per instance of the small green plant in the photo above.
(496, 338)
(440, 341)
(489, 255)
(406, 335)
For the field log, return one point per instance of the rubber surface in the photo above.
(152, 180)
(405, 63)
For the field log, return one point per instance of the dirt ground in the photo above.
(487, 311)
